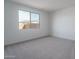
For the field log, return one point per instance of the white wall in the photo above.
(63, 23)
(12, 32)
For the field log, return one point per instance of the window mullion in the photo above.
(30, 19)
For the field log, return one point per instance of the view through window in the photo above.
(28, 20)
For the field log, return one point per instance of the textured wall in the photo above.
(63, 23)
(12, 32)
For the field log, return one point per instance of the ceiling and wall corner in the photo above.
(47, 5)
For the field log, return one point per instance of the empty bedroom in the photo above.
(39, 29)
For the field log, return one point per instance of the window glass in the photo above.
(34, 20)
(24, 19)
(28, 20)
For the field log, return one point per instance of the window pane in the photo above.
(24, 19)
(34, 20)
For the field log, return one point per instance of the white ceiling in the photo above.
(47, 5)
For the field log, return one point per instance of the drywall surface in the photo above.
(63, 23)
(12, 32)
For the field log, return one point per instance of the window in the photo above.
(28, 20)
(34, 20)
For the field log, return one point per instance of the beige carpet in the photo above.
(45, 48)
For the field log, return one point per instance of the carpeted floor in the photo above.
(45, 48)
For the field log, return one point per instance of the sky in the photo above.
(25, 16)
